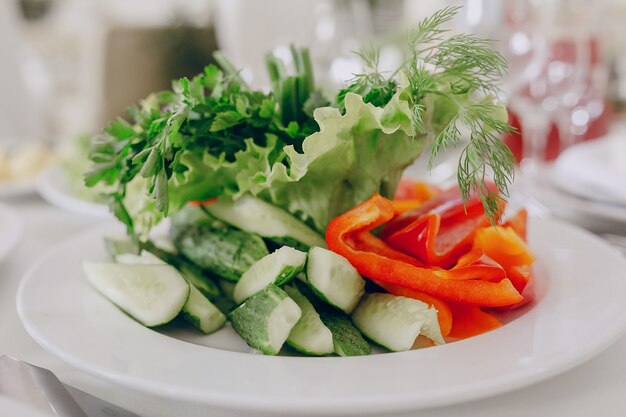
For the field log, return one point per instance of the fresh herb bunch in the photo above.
(456, 69)
(213, 136)
(216, 113)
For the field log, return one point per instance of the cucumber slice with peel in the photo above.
(257, 216)
(309, 336)
(151, 294)
(347, 340)
(277, 268)
(334, 279)
(202, 313)
(265, 320)
(198, 309)
(394, 322)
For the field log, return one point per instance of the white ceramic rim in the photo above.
(50, 187)
(540, 344)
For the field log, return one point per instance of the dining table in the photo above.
(597, 387)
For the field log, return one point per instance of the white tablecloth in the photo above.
(596, 388)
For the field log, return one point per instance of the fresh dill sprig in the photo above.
(450, 82)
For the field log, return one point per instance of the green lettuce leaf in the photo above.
(353, 156)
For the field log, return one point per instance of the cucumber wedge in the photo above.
(201, 280)
(265, 320)
(347, 340)
(257, 216)
(202, 313)
(277, 268)
(196, 279)
(309, 336)
(225, 252)
(395, 322)
(333, 279)
(151, 294)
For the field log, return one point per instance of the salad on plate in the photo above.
(288, 216)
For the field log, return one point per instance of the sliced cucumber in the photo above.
(309, 335)
(395, 322)
(277, 268)
(257, 216)
(202, 313)
(151, 294)
(333, 279)
(347, 340)
(265, 320)
(225, 252)
(119, 245)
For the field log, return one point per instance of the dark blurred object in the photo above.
(140, 61)
(35, 9)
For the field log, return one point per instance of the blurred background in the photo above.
(69, 66)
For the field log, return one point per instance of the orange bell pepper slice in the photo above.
(518, 223)
(523, 279)
(503, 245)
(471, 321)
(377, 211)
(410, 189)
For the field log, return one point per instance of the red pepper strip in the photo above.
(366, 242)
(518, 223)
(435, 242)
(198, 203)
(476, 265)
(449, 204)
(471, 321)
(444, 314)
(378, 210)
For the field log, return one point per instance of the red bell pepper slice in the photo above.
(377, 211)
(435, 242)
(476, 265)
(448, 204)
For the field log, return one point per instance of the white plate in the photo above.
(9, 407)
(15, 189)
(52, 188)
(594, 170)
(580, 311)
(10, 230)
(589, 213)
